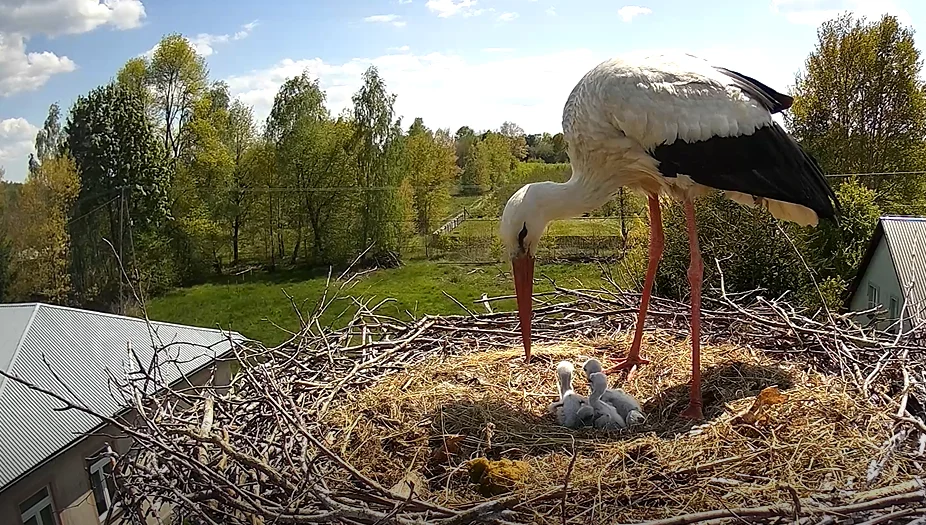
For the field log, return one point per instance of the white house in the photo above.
(892, 274)
(55, 466)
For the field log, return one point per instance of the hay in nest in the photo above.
(488, 404)
(381, 421)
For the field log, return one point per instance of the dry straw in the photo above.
(381, 422)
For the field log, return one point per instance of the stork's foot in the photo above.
(626, 364)
(693, 412)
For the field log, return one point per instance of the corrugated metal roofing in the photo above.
(80, 346)
(906, 240)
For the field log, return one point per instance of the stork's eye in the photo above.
(522, 235)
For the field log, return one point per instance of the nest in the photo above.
(429, 423)
(440, 421)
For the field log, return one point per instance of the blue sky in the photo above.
(452, 62)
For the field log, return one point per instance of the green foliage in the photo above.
(6, 244)
(547, 148)
(178, 77)
(431, 166)
(747, 242)
(299, 97)
(378, 147)
(123, 181)
(839, 248)
(860, 107)
(50, 140)
(42, 239)
(517, 141)
(489, 164)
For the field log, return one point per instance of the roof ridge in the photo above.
(902, 218)
(126, 317)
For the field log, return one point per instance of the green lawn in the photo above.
(484, 227)
(249, 307)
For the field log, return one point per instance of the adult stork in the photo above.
(674, 126)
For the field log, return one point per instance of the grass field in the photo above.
(595, 226)
(249, 307)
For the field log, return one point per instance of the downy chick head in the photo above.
(592, 366)
(635, 417)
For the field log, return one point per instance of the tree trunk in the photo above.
(235, 228)
(273, 261)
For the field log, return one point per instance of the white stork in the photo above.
(673, 126)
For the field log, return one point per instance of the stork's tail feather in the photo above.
(774, 101)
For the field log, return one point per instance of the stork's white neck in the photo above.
(566, 200)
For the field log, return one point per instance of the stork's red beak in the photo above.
(523, 269)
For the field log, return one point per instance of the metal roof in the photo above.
(906, 242)
(83, 348)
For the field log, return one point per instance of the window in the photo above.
(894, 308)
(37, 510)
(101, 481)
(874, 293)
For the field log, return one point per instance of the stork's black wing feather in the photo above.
(768, 163)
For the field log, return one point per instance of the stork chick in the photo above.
(572, 410)
(606, 416)
(625, 404)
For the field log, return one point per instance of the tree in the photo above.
(860, 106)
(476, 177)
(178, 78)
(123, 188)
(240, 136)
(378, 152)
(496, 149)
(297, 128)
(42, 273)
(516, 139)
(300, 96)
(559, 148)
(133, 76)
(431, 165)
(464, 139)
(50, 140)
(6, 245)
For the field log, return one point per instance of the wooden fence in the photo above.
(450, 225)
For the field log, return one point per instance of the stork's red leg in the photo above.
(695, 275)
(656, 245)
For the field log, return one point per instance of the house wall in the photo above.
(68, 476)
(881, 273)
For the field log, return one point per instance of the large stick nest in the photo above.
(441, 421)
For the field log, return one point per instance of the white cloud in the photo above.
(629, 12)
(448, 8)
(507, 17)
(17, 141)
(21, 71)
(551, 11)
(815, 12)
(386, 19)
(19, 19)
(528, 90)
(483, 91)
(57, 17)
(205, 43)
(405, 1)
(401, 49)
(245, 30)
